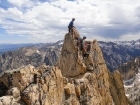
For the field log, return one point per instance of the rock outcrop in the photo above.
(130, 72)
(74, 80)
(132, 90)
(130, 68)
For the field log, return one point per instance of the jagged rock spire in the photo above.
(74, 80)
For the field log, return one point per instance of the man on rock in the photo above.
(71, 25)
(81, 44)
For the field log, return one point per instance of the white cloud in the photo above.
(20, 2)
(16, 2)
(130, 36)
(48, 21)
(0, 21)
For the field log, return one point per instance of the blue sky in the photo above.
(34, 21)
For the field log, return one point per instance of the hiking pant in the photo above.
(70, 29)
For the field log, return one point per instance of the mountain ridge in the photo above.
(115, 54)
(87, 82)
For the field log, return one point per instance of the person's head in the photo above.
(73, 19)
(84, 37)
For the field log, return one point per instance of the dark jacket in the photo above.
(70, 24)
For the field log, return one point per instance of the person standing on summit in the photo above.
(71, 25)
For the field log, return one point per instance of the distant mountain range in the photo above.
(115, 53)
(35, 55)
(11, 47)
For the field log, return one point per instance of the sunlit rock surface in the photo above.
(74, 80)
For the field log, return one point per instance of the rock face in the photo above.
(130, 72)
(130, 69)
(132, 90)
(74, 80)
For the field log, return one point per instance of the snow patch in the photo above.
(125, 63)
(137, 43)
(135, 60)
(128, 86)
(127, 95)
(37, 52)
(52, 47)
(60, 43)
(139, 70)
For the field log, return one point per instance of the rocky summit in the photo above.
(74, 80)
